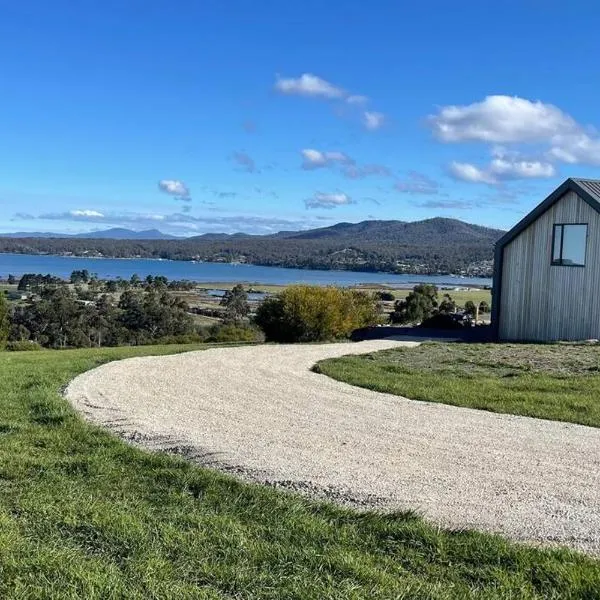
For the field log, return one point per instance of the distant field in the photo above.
(84, 515)
(460, 296)
(560, 382)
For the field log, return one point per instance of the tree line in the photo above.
(89, 314)
(429, 256)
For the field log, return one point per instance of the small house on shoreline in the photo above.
(547, 269)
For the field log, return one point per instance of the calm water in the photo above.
(111, 268)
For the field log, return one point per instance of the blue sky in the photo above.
(234, 115)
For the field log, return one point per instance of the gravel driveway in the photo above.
(260, 413)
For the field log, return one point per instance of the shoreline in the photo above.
(416, 279)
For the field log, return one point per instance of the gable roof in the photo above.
(587, 189)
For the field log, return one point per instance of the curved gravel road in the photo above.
(260, 413)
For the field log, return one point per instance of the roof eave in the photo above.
(569, 185)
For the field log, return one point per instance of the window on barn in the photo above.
(568, 244)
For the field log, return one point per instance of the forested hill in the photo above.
(430, 231)
(431, 246)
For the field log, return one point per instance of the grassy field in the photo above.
(557, 381)
(459, 296)
(83, 515)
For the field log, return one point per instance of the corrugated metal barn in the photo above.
(547, 269)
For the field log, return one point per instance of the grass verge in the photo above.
(560, 382)
(84, 515)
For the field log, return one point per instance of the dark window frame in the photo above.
(559, 262)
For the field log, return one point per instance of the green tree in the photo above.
(470, 308)
(447, 305)
(236, 304)
(419, 305)
(4, 320)
(484, 307)
(80, 276)
(314, 313)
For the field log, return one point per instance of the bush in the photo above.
(385, 296)
(305, 313)
(22, 346)
(419, 305)
(442, 321)
(4, 320)
(234, 333)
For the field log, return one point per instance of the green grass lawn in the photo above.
(85, 516)
(555, 381)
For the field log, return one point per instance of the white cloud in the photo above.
(87, 214)
(308, 85)
(514, 120)
(578, 147)
(504, 168)
(501, 119)
(315, 159)
(470, 173)
(505, 165)
(320, 200)
(175, 188)
(373, 120)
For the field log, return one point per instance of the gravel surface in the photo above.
(260, 413)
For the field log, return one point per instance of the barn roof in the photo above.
(586, 189)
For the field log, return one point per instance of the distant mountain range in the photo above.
(446, 230)
(435, 245)
(116, 233)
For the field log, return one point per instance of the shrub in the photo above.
(419, 305)
(234, 333)
(470, 308)
(442, 321)
(385, 296)
(305, 313)
(4, 320)
(22, 346)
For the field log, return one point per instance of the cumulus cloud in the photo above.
(308, 85)
(175, 188)
(245, 161)
(515, 120)
(373, 120)
(335, 200)
(470, 173)
(315, 159)
(417, 183)
(501, 119)
(505, 165)
(312, 86)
